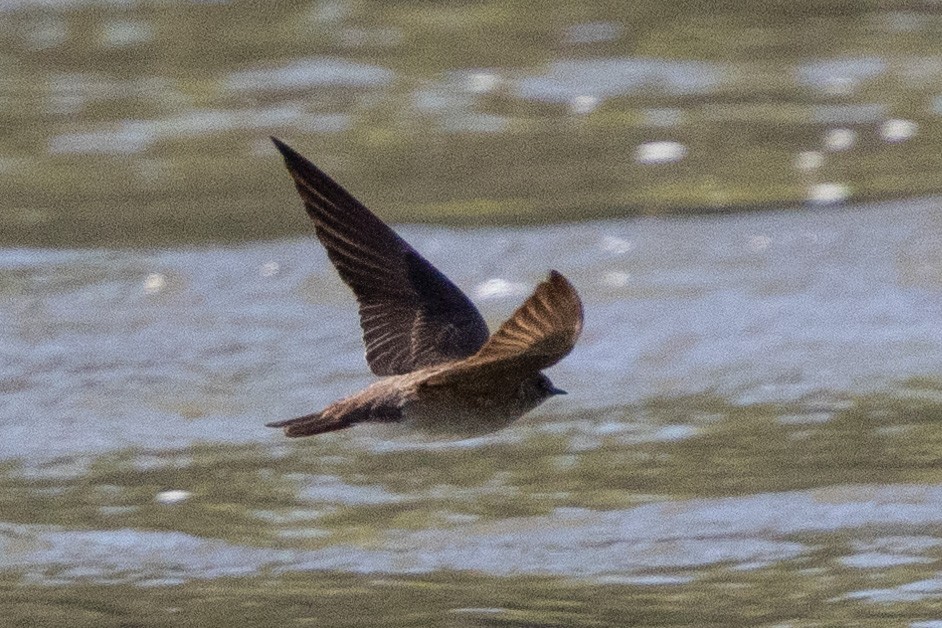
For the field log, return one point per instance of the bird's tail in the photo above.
(311, 424)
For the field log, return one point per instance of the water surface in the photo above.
(751, 435)
(752, 431)
(122, 125)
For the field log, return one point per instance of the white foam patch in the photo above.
(497, 288)
(660, 152)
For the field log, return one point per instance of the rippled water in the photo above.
(751, 435)
(123, 123)
(752, 431)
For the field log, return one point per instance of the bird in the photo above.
(441, 370)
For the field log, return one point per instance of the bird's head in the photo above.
(538, 389)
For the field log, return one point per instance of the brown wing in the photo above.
(539, 334)
(411, 314)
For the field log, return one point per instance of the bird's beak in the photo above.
(557, 391)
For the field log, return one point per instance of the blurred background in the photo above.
(742, 193)
(121, 114)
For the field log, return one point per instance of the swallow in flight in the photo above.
(441, 371)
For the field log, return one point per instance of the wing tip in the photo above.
(291, 156)
(556, 278)
(558, 281)
(308, 176)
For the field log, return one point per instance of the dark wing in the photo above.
(411, 314)
(539, 334)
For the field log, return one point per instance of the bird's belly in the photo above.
(463, 420)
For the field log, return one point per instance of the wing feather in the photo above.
(411, 314)
(540, 333)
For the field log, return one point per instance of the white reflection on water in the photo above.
(581, 105)
(121, 33)
(836, 140)
(614, 76)
(809, 160)
(828, 193)
(895, 131)
(617, 278)
(127, 138)
(154, 282)
(172, 496)
(660, 152)
(842, 75)
(310, 72)
(269, 269)
(616, 245)
(498, 288)
(136, 136)
(482, 82)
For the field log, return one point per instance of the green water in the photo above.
(752, 431)
(762, 597)
(503, 495)
(136, 125)
(751, 435)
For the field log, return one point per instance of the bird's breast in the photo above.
(461, 417)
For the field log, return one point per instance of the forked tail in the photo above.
(311, 424)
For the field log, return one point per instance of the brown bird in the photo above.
(442, 372)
